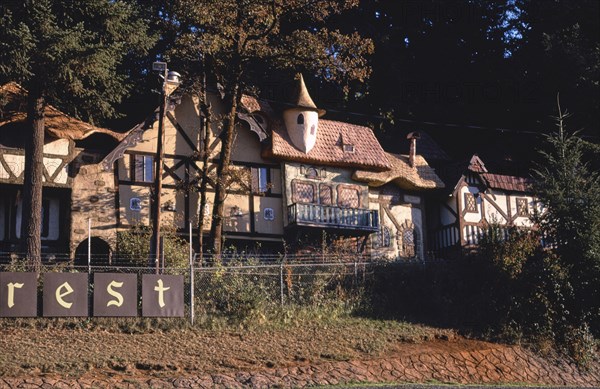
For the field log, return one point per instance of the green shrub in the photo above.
(133, 246)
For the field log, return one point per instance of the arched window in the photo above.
(300, 119)
(408, 240)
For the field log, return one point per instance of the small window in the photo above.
(348, 196)
(303, 192)
(348, 148)
(470, 202)
(408, 243)
(382, 238)
(263, 179)
(522, 207)
(300, 119)
(269, 214)
(143, 168)
(313, 129)
(135, 204)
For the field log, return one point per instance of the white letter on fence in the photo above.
(160, 289)
(116, 295)
(59, 295)
(11, 293)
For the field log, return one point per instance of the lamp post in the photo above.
(170, 83)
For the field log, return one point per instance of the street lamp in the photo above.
(171, 81)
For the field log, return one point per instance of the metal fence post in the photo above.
(89, 253)
(192, 299)
(281, 282)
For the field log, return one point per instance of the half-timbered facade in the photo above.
(298, 178)
(60, 153)
(477, 199)
(300, 181)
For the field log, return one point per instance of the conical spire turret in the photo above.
(302, 117)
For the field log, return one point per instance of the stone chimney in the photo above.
(413, 136)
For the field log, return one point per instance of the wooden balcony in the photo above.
(334, 218)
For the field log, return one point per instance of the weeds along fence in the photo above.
(238, 292)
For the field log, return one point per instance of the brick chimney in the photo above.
(413, 136)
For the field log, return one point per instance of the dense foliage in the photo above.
(76, 54)
(133, 246)
(69, 54)
(536, 286)
(237, 43)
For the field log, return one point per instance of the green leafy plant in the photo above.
(133, 246)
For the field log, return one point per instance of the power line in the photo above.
(440, 124)
(429, 123)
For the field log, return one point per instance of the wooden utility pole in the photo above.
(155, 243)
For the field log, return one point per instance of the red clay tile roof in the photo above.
(367, 154)
(421, 176)
(252, 104)
(512, 183)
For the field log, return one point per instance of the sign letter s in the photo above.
(119, 297)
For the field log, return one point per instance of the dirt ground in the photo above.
(60, 351)
(73, 352)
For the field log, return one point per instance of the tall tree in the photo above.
(569, 192)
(247, 40)
(69, 54)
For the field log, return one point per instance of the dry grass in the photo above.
(162, 347)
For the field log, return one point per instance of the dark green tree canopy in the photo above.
(72, 52)
(569, 194)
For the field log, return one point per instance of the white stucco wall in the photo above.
(492, 214)
(471, 217)
(57, 147)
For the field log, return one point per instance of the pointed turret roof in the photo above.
(301, 98)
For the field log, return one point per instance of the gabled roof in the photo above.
(476, 165)
(366, 152)
(420, 176)
(57, 123)
(453, 173)
(510, 183)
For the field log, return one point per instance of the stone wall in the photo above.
(94, 196)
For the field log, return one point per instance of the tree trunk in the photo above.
(216, 231)
(31, 222)
(206, 126)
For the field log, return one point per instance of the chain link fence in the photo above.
(238, 289)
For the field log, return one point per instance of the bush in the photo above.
(133, 246)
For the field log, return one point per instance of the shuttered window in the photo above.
(303, 192)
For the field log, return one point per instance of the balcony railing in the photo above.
(328, 216)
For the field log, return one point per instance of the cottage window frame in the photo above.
(341, 198)
(296, 190)
(470, 203)
(142, 165)
(522, 207)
